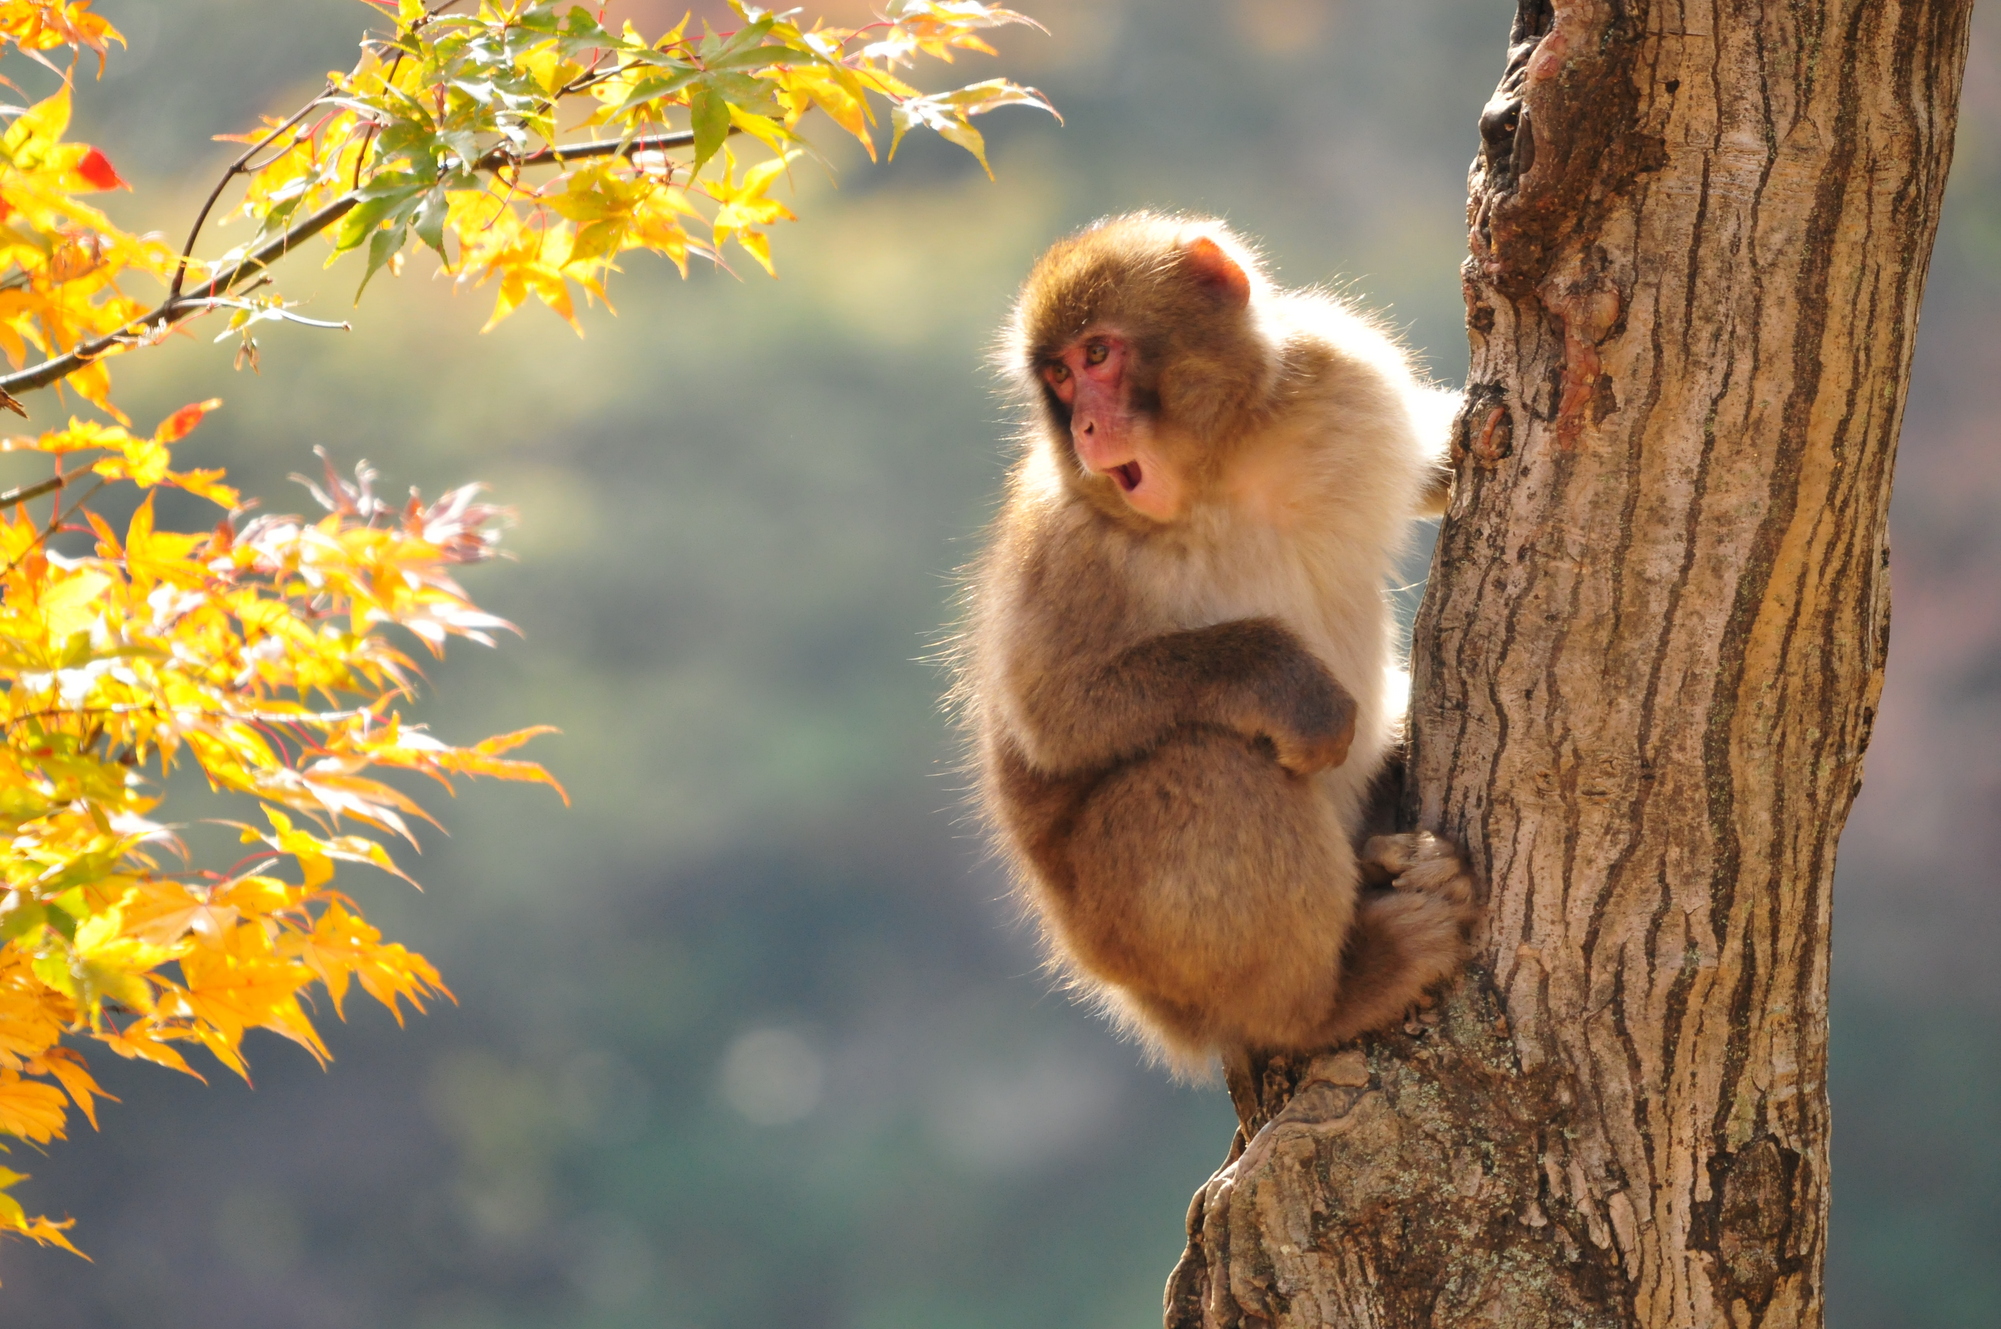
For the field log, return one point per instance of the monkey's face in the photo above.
(1139, 334)
(1091, 381)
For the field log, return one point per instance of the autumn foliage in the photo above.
(527, 148)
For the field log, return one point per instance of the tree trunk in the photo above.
(1645, 671)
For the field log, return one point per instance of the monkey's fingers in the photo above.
(1420, 861)
(1398, 854)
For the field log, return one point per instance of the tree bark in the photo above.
(1645, 671)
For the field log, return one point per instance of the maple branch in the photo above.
(236, 168)
(23, 493)
(176, 308)
(500, 157)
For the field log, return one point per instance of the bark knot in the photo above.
(1485, 428)
(1747, 1221)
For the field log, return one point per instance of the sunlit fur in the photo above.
(1128, 764)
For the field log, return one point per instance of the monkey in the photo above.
(1177, 661)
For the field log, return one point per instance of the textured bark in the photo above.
(1645, 672)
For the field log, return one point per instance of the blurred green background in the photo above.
(749, 1038)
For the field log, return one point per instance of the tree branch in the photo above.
(176, 307)
(236, 168)
(22, 493)
(597, 148)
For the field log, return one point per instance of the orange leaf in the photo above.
(143, 1045)
(96, 168)
(30, 1109)
(182, 422)
(68, 1069)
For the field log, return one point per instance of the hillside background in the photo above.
(748, 1039)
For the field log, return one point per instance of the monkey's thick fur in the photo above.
(1177, 720)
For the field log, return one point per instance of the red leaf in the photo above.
(96, 168)
(182, 422)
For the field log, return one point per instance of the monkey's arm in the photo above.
(1253, 676)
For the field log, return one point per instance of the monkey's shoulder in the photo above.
(1323, 329)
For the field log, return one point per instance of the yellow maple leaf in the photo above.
(745, 207)
(34, 1111)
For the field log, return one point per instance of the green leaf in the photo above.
(379, 198)
(280, 215)
(750, 57)
(709, 116)
(659, 85)
(646, 55)
(411, 138)
(581, 32)
(430, 220)
(19, 915)
(382, 246)
(741, 89)
(731, 56)
(542, 19)
(464, 145)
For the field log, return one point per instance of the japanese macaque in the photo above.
(1178, 665)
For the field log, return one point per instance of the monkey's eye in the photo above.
(1095, 353)
(1057, 373)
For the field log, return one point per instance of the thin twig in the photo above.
(236, 168)
(274, 310)
(55, 524)
(176, 309)
(241, 166)
(375, 127)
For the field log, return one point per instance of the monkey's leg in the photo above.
(1214, 889)
(1406, 939)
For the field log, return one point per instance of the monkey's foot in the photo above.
(1420, 861)
(1407, 939)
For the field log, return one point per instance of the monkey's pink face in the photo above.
(1110, 438)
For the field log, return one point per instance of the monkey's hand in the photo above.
(1255, 676)
(1251, 676)
(1316, 739)
(1307, 716)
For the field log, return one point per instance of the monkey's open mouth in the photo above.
(1127, 476)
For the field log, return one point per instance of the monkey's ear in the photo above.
(1217, 271)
